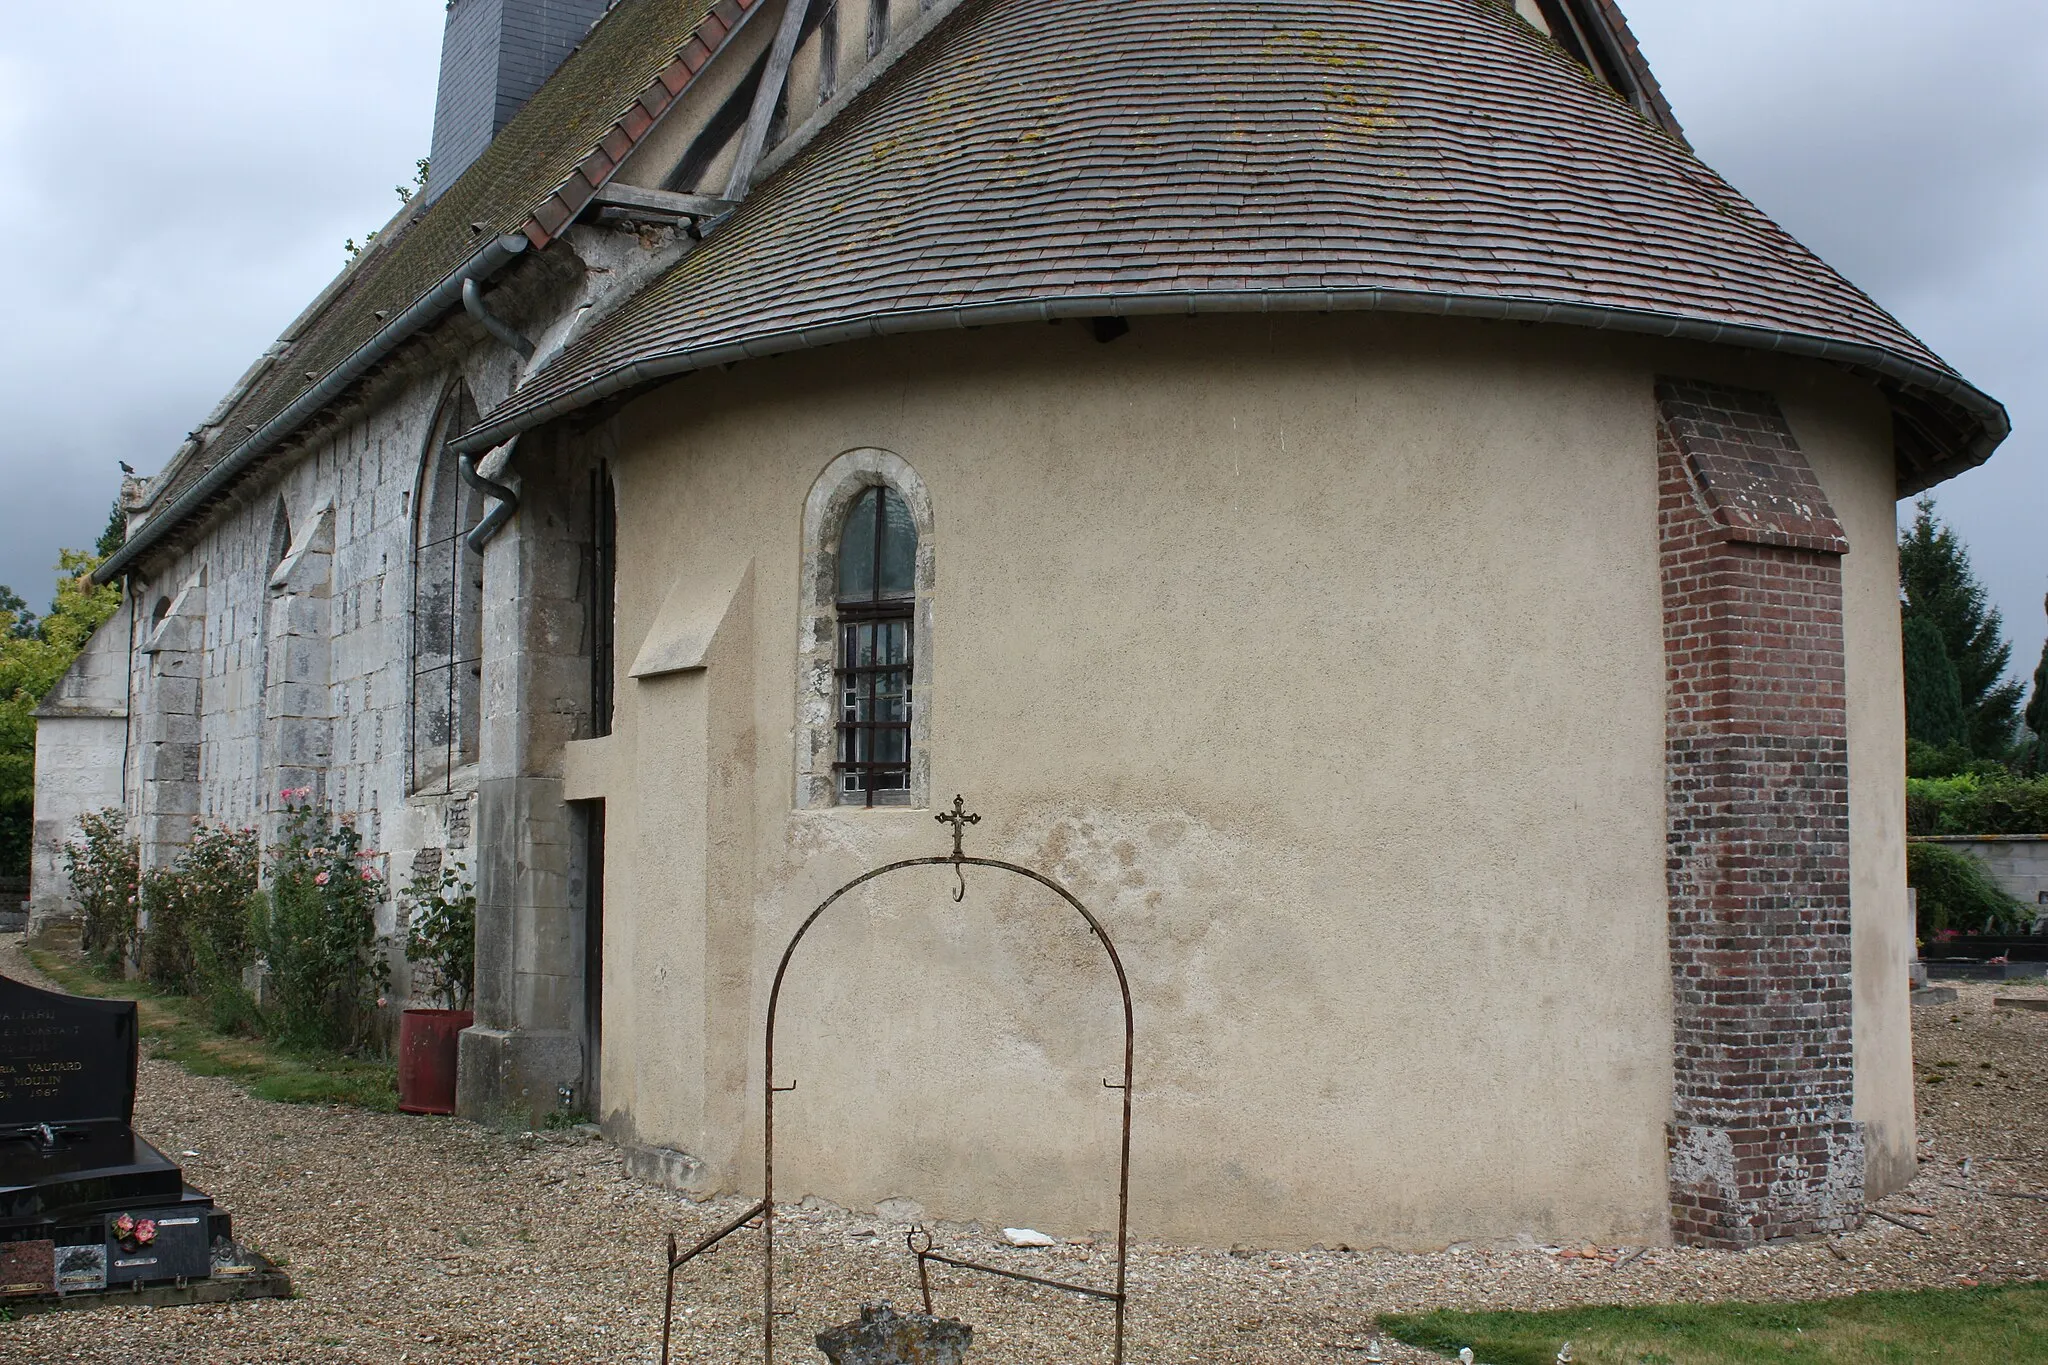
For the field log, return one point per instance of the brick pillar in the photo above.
(1763, 1143)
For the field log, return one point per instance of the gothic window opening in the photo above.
(280, 536)
(447, 610)
(876, 616)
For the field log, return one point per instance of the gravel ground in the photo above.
(425, 1240)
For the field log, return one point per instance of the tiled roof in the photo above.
(1126, 156)
(541, 169)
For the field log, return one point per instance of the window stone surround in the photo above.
(833, 494)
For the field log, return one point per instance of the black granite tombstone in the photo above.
(74, 1177)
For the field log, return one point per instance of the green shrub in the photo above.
(1947, 760)
(197, 941)
(165, 956)
(1977, 803)
(1957, 894)
(440, 934)
(103, 864)
(316, 928)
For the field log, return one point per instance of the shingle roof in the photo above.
(541, 169)
(1127, 156)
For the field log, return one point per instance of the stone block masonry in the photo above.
(1763, 1142)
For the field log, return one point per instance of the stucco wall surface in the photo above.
(1844, 429)
(81, 734)
(1321, 657)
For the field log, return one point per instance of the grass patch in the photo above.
(1996, 1323)
(182, 1032)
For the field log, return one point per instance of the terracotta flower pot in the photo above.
(426, 1059)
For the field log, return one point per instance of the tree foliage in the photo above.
(1934, 697)
(1956, 893)
(2036, 715)
(1940, 587)
(34, 653)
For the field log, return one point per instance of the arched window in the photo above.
(447, 607)
(864, 635)
(280, 537)
(877, 608)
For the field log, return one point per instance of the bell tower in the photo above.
(494, 55)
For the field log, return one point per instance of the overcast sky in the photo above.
(176, 181)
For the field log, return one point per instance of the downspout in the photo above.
(473, 304)
(506, 500)
(501, 511)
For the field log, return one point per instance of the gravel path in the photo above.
(427, 1240)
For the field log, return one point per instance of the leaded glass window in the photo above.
(876, 610)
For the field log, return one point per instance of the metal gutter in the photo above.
(1641, 322)
(442, 298)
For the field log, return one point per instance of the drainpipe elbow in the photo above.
(473, 304)
(505, 503)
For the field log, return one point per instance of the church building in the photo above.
(1338, 486)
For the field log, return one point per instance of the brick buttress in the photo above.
(1763, 1142)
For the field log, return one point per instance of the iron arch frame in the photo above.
(923, 1252)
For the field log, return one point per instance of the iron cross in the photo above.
(959, 819)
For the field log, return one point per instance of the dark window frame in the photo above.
(445, 656)
(858, 776)
(603, 597)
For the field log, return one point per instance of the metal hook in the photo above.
(924, 1274)
(961, 894)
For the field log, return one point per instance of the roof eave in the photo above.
(1991, 423)
(425, 311)
(541, 225)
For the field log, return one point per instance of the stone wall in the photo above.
(2017, 862)
(280, 652)
(81, 740)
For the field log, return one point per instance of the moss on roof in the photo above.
(534, 153)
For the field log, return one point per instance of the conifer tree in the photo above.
(2037, 709)
(1934, 702)
(1934, 570)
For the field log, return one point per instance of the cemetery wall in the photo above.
(2017, 862)
(81, 742)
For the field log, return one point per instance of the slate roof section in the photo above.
(1131, 156)
(540, 171)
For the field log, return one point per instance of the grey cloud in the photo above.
(176, 180)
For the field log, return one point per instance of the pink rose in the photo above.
(123, 1226)
(320, 879)
(145, 1231)
(368, 875)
